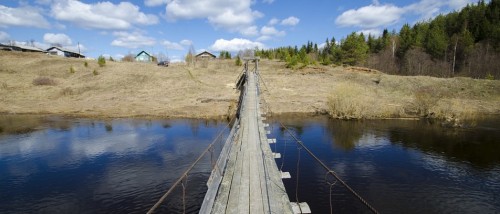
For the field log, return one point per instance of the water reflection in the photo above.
(88, 166)
(398, 166)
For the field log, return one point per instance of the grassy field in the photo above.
(40, 84)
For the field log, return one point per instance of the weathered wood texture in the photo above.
(251, 181)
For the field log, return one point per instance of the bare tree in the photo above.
(190, 57)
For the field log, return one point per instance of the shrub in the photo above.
(71, 70)
(238, 61)
(347, 103)
(95, 72)
(67, 91)
(44, 81)
(86, 64)
(490, 77)
(128, 58)
(425, 99)
(101, 61)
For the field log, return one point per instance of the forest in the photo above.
(460, 43)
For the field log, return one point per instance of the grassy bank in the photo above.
(356, 93)
(40, 84)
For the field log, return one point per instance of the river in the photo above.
(65, 165)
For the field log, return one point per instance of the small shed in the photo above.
(58, 51)
(144, 56)
(205, 55)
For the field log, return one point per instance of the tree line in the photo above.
(460, 43)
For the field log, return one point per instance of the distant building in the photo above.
(23, 48)
(144, 56)
(205, 55)
(58, 51)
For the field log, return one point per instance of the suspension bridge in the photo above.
(245, 177)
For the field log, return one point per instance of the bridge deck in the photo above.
(250, 182)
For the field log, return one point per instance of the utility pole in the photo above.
(79, 50)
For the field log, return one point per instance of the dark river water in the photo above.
(59, 165)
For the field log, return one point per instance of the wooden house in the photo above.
(144, 56)
(23, 48)
(58, 51)
(205, 55)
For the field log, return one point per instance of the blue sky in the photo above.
(116, 28)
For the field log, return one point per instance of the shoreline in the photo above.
(34, 84)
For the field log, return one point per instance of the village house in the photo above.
(144, 56)
(22, 48)
(58, 51)
(205, 55)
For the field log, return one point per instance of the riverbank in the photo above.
(41, 84)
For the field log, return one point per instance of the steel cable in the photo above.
(178, 181)
(322, 164)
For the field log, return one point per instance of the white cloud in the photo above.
(235, 44)
(425, 8)
(273, 21)
(268, 1)
(458, 4)
(271, 31)
(172, 45)
(264, 38)
(59, 38)
(132, 40)
(186, 42)
(373, 32)
(382, 15)
(228, 14)
(370, 16)
(290, 21)
(4, 36)
(76, 48)
(25, 16)
(152, 3)
(102, 15)
(250, 31)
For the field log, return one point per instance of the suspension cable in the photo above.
(179, 180)
(184, 186)
(321, 162)
(330, 171)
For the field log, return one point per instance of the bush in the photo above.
(238, 61)
(425, 99)
(86, 64)
(71, 70)
(44, 81)
(95, 72)
(67, 91)
(128, 58)
(101, 61)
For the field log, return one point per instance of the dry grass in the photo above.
(121, 89)
(348, 93)
(125, 89)
(43, 81)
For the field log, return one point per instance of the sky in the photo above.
(171, 27)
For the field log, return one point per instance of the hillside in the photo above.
(126, 89)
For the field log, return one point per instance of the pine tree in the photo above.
(405, 40)
(354, 49)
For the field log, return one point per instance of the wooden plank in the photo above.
(221, 201)
(216, 177)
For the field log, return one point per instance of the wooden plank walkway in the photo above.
(246, 178)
